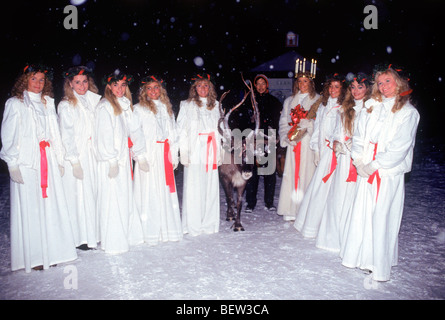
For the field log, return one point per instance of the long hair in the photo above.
(145, 101)
(312, 91)
(21, 84)
(348, 114)
(403, 93)
(113, 100)
(211, 98)
(325, 92)
(69, 92)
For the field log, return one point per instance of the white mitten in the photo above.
(316, 158)
(16, 175)
(184, 160)
(61, 170)
(305, 123)
(77, 170)
(361, 172)
(339, 148)
(113, 170)
(143, 165)
(369, 168)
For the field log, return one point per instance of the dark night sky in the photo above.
(231, 36)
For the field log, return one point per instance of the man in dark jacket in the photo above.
(270, 109)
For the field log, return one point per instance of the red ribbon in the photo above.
(333, 166)
(168, 166)
(210, 141)
(43, 167)
(352, 177)
(375, 174)
(130, 144)
(297, 151)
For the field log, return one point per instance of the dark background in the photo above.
(231, 36)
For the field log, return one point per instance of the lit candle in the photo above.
(304, 65)
(315, 68)
(312, 67)
(296, 66)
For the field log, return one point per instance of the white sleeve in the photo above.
(284, 123)
(10, 132)
(183, 126)
(56, 140)
(136, 136)
(313, 143)
(104, 137)
(359, 135)
(398, 148)
(66, 124)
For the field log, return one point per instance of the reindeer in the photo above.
(238, 159)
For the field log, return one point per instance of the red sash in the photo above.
(333, 164)
(210, 142)
(297, 151)
(375, 174)
(43, 167)
(352, 177)
(168, 166)
(130, 144)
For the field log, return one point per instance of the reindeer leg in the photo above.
(237, 226)
(230, 215)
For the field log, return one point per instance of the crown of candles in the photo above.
(300, 68)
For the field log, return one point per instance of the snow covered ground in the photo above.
(268, 261)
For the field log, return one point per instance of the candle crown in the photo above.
(300, 68)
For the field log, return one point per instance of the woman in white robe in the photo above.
(118, 138)
(199, 147)
(155, 190)
(391, 128)
(41, 234)
(296, 180)
(311, 209)
(76, 121)
(343, 187)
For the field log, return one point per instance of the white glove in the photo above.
(77, 170)
(369, 168)
(143, 165)
(61, 170)
(316, 158)
(113, 170)
(305, 123)
(361, 172)
(184, 160)
(339, 148)
(16, 175)
(175, 165)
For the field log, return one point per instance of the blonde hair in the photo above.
(312, 91)
(211, 98)
(69, 92)
(146, 102)
(21, 84)
(113, 100)
(402, 87)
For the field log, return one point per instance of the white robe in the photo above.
(41, 232)
(76, 128)
(290, 198)
(201, 202)
(341, 193)
(395, 135)
(120, 225)
(311, 209)
(157, 205)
